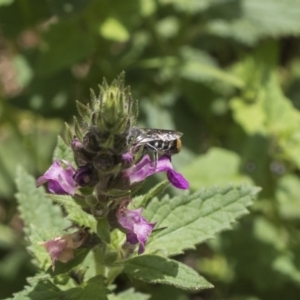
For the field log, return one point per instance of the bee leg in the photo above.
(154, 150)
(155, 153)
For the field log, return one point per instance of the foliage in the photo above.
(226, 74)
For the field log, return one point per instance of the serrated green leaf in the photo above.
(75, 212)
(35, 207)
(63, 151)
(192, 219)
(42, 219)
(37, 236)
(44, 290)
(22, 295)
(217, 166)
(94, 288)
(130, 294)
(157, 269)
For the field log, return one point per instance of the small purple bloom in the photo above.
(60, 180)
(83, 176)
(61, 247)
(127, 157)
(138, 227)
(76, 144)
(146, 167)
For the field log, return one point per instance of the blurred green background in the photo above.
(226, 73)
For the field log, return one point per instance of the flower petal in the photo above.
(127, 157)
(61, 247)
(138, 228)
(177, 180)
(145, 167)
(60, 180)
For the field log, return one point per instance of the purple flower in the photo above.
(60, 180)
(61, 248)
(127, 157)
(138, 228)
(76, 144)
(146, 167)
(84, 176)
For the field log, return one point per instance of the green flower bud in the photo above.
(113, 111)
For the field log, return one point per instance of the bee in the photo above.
(156, 140)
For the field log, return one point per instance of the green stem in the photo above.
(113, 273)
(99, 253)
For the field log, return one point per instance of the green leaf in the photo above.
(188, 6)
(40, 288)
(157, 269)
(103, 230)
(285, 264)
(88, 265)
(43, 289)
(251, 115)
(6, 2)
(168, 27)
(23, 69)
(112, 29)
(66, 43)
(63, 152)
(42, 219)
(217, 166)
(259, 19)
(117, 239)
(75, 212)
(192, 219)
(22, 295)
(147, 7)
(94, 288)
(199, 66)
(129, 294)
(8, 236)
(287, 195)
(274, 113)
